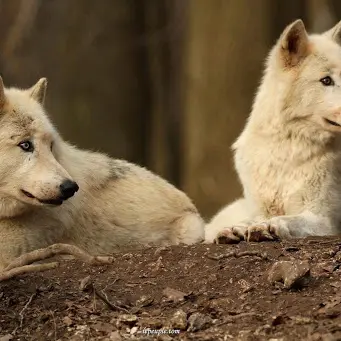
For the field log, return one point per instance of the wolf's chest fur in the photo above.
(277, 182)
(278, 190)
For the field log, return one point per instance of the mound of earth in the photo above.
(201, 292)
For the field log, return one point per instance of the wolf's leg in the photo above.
(23, 264)
(281, 227)
(297, 226)
(189, 229)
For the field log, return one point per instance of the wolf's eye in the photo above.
(327, 81)
(26, 146)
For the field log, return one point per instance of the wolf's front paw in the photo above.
(274, 229)
(231, 235)
(280, 228)
(255, 231)
(247, 230)
(260, 232)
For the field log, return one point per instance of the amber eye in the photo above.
(327, 81)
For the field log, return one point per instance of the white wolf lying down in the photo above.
(288, 157)
(116, 204)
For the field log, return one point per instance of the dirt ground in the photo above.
(202, 292)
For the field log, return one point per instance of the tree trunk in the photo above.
(226, 45)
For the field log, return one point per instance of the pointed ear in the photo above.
(294, 44)
(334, 33)
(2, 93)
(38, 90)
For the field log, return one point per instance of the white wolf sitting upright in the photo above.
(117, 203)
(288, 157)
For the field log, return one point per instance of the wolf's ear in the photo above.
(38, 90)
(334, 33)
(294, 43)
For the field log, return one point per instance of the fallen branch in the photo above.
(23, 263)
(235, 254)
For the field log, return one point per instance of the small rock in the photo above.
(291, 273)
(115, 336)
(277, 320)
(246, 286)
(328, 268)
(7, 337)
(75, 338)
(292, 249)
(103, 327)
(338, 256)
(67, 321)
(164, 337)
(336, 285)
(127, 319)
(81, 330)
(127, 256)
(179, 320)
(144, 301)
(152, 323)
(331, 309)
(301, 320)
(198, 321)
(174, 295)
(133, 330)
(161, 249)
(244, 335)
(263, 330)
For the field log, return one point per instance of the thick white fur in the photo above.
(288, 156)
(118, 205)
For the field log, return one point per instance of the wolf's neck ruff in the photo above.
(10, 207)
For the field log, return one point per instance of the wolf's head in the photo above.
(302, 82)
(29, 171)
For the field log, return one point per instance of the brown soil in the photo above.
(217, 295)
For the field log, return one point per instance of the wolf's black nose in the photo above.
(68, 188)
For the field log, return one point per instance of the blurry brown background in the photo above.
(167, 84)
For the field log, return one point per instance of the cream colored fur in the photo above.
(118, 204)
(288, 156)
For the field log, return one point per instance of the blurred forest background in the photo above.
(167, 84)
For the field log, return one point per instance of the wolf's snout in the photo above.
(67, 189)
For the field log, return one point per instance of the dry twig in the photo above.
(87, 284)
(21, 314)
(235, 254)
(103, 296)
